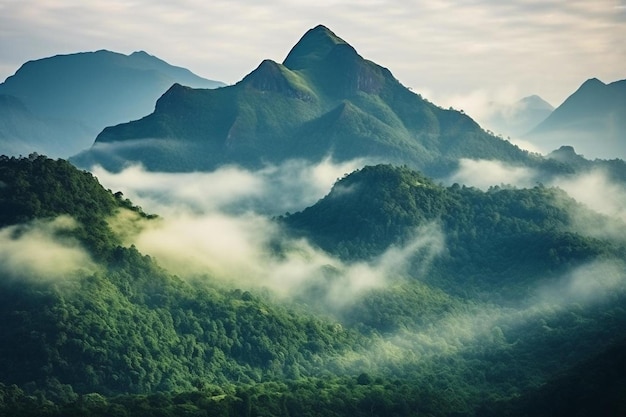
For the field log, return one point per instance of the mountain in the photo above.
(22, 132)
(324, 99)
(82, 313)
(497, 242)
(592, 120)
(57, 105)
(89, 325)
(518, 118)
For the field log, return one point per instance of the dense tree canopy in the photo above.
(130, 326)
(443, 337)
(495, 241)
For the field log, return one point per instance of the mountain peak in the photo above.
(325, 99)
(313, 46)
(590, 98)
(566, 154)
(593, 88)
(266, 77)
(271, 76)
(334, 65)
(592, 82)
(536, 102)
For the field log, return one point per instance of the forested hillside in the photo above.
(118, 323)
(497, 242)
(461, 302)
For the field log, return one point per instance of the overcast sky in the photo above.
(460, 53)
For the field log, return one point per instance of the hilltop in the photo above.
(592, 120)
(57, 105)
(323, 100)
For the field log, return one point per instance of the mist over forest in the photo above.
(230, 232)
(314, 240)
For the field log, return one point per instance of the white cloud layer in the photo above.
(273, 190)
(238, 250)
(37, 251)
(486, 173)
(479, 326)
(589, 283)
(597, 192)
(594, 190)
(203, 230)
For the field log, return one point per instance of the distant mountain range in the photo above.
(58, 105)
(592, 120)
(519, 118)
(324, 99)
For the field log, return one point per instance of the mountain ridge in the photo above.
(279, 109)
(76, 95)
(592, 119)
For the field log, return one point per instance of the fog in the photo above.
(273, 190)
(598, 192)
(241, 250)
(600, 138)
(603, 211)
(481, 104)
(486, 173)
(481, 328)
(593, 282)
(219, 225)
(42, 251)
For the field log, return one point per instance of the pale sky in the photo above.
(454, 52)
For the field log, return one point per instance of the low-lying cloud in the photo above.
(477, 327)
(204, 232)
(486, 173)
(218, 224)
(592, 188)
(589, 283)
(241, 250)
(598, 192)
(272, 190)
(40, 250)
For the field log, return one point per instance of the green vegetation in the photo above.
(515, 307)
(325, 99)
(497, 241)
(38, 188)
(131, 327)
(595, 387)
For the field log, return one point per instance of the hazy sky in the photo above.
(461, 53)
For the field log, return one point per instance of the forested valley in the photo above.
(431, 300)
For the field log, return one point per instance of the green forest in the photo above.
(509, 308)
